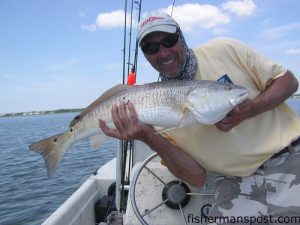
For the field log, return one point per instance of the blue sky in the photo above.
(65, 53)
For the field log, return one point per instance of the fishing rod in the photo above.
(172, 8)
(127, 146)
(131, 79)
(123, 144)
(130, 32)
(139, 3)
(124, 41)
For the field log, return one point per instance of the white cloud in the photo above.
(191, 16)
(240, 8)
(63, 65)
(219, 31)
(280, 31)
(109, 20)
(91, 27)
(81, 13)
(293, 51)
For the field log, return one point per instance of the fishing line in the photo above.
(127, 145)
(124, 41)
(172, 8)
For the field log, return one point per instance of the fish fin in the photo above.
(98, 139)
(162, 131)
(107, 94)
(186, 111)
(52, 149)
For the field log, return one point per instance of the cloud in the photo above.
(109, 20)
(91, 27)
(280, 31)
(81, 13)
(219, 31)
(293, 51)
(240, 8)
(63, 65)
(191, 16)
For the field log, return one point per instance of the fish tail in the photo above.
(52, 149)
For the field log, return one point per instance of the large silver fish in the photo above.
(168, 105)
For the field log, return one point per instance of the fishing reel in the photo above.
(158, 197)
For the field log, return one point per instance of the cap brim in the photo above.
(159, 28)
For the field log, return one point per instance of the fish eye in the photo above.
(227, 88)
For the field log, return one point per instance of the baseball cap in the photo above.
(154, 22)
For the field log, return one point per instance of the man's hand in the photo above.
(128, 127)
(236, 116)
(276, 93)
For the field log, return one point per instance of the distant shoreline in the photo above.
(33, 113)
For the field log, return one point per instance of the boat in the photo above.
(135, 187)
(151, 195)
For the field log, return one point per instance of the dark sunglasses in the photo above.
(152, 48)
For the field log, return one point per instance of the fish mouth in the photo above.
(239, 99)
(209, 119)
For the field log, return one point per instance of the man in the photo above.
(254, 150)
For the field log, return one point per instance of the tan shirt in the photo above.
(243, 149)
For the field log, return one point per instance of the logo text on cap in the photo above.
(151, 19)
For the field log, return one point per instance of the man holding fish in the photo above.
(254, 151)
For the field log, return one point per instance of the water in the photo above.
(27, 196)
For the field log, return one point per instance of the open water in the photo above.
(27, 196)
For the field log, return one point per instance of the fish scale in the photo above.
(168, 105)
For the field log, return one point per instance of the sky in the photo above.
(63, 54)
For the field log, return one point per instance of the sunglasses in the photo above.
(152, 48)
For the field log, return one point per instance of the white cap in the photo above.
(154, 22)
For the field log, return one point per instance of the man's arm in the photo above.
(180, 163)
(276, 93)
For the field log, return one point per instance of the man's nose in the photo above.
(163, 51)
